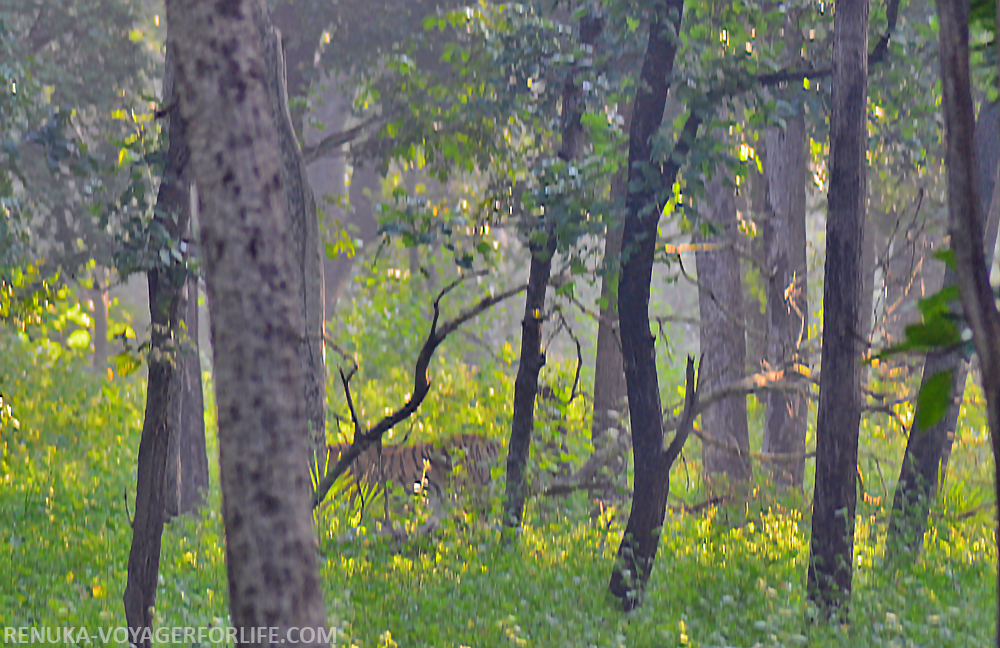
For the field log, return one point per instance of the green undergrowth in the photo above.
(728, 576)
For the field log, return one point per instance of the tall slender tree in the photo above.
(832, 546)
(927, 450)
(165, 295)
(256, 322)
(637, 551)
(542, 250)
(787, 308)
(972, 273)
(721, 332)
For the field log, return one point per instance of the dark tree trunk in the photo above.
(926, 450)
(787, 293)
(186, 479)
(165, 288)
(532, 359)
(722, 335)
(972, 273)
(839, 416)
(526, 383)
(637, 552)
(256, 315)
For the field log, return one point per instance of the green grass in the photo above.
(733, 576)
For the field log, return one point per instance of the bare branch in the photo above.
(421, 384)
(691, 410)
(330, 144)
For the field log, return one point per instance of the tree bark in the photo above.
(532, 359)
(610, 392)
(165, 286)
(306, 251)
(787, 308)
(186, 479)
(637, 552)
(722, 334)
(526, 383)
(101, 303)
(839, 416)
(256, 315)
(965, 225)
(927, 450)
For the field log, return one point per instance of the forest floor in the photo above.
(729, 576)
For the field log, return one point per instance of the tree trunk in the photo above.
(306, 251)
(256, 316)
(637, 551)
(532, 359)
(186, 479)
(965, 225)
(526, 383)
(165, 287)
(610, 392)
(301, 25)
(839, 416)
(722, 335)
(787, 293)
(927, 450)
(365, 190)
(755, 280)
(101, 303)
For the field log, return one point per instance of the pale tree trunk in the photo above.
(256, 316)
(101, 302)
(755, 276)
(165, 288)
(787, 308)
(532, 359)
(610, 392)
(838, 419)
(722, 335)
(307, 253)
(365, 191)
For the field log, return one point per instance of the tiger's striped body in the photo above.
(424, 468)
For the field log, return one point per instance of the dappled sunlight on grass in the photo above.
(731, 576)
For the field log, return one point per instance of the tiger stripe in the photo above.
(425, 467)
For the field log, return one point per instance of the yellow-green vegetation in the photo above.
(729, 576)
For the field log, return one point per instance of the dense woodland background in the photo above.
(670, 321)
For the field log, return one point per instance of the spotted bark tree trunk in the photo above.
(256, 315)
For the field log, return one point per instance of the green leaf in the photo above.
(79, 339)
(126, 363)
(937, 304)
(948, 256)
(934, 333)
(933, 400)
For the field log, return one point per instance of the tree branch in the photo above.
(421, 384)
(329, 144)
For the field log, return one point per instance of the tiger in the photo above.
(433, 471)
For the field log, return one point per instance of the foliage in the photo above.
(734, 575)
